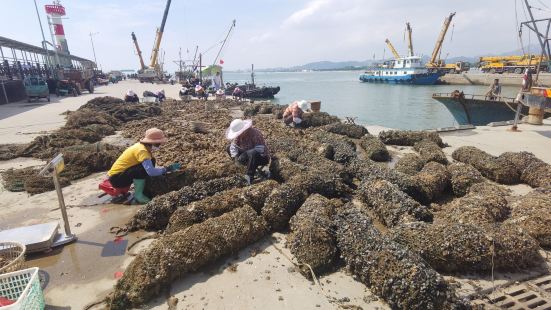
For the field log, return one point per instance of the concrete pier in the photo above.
(509, 79)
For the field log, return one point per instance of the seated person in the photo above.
(220, 94)
(200, 92)
(161, 95)
(294, 112)
(131, 97)
(184, 93)
(237, 93)
(136, 163)
(247, 147)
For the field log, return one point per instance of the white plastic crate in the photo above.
(23, 287)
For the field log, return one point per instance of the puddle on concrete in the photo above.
(95, 255)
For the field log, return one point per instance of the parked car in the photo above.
(36, 88)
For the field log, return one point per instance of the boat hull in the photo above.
(411, 79)
(479, 112)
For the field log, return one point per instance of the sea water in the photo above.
(342, 94)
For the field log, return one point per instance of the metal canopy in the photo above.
(9, 43)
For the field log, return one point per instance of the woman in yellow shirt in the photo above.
(136, 163)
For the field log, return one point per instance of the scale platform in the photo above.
(37, 238)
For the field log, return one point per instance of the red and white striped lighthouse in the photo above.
(56, 11)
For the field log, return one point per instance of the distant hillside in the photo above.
(355, 65)
(325, 65)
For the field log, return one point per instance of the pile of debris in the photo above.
(497, 169)
(78, 141)
(312, 240)
(409, 138)
(338, 204)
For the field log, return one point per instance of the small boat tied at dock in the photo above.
(480, 110)
(404, 70)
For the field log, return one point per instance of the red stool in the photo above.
(111, 191)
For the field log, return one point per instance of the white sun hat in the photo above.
(303, 105)
(237, 127)
(130, 93)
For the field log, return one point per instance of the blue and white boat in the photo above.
(404, 70)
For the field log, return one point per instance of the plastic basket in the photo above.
(315, 106)
(12, 256)
(22, 287)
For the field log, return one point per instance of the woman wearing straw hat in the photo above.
(248, 146)
(200, 92)
(293, 113)
(131, 97)
(136, 163)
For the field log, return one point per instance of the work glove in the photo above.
(173, 167)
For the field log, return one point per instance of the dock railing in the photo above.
(473, 97)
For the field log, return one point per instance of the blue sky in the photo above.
(273, 33)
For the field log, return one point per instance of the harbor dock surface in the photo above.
(261, 276)
(508, 79)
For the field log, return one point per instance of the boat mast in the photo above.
(224, 42)
(252, 73)
(543, 39)
(410, 43)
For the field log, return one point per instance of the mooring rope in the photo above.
(313, 274)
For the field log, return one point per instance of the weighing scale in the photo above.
(43, 237)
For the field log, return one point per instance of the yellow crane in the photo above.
(154, 72)
(392, 49)
(440, 39)
(142, 64)
(410, 43)
(512, 64)
(159, 37)
(435, 63)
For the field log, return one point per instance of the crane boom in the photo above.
(159, 37)
(224, 42)
(440, 39)
(410, 42)
(142, 64)
(392, 49)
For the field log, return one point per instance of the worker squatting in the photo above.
(247, 147)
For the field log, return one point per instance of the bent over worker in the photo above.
(247, 147)
(294, 112)
(136, 163)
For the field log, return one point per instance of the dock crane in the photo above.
(159, 37)
(142, 64)
(154, 71)
(392, 49)
(439, 64)
(410, 43)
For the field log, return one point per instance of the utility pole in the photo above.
(44, 46)
(93, 49)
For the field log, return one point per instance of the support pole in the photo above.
(517, 117)
(62, 205)
(4, 91)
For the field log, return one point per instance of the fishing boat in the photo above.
(252, 91)
(479, 110)
(403, 70)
